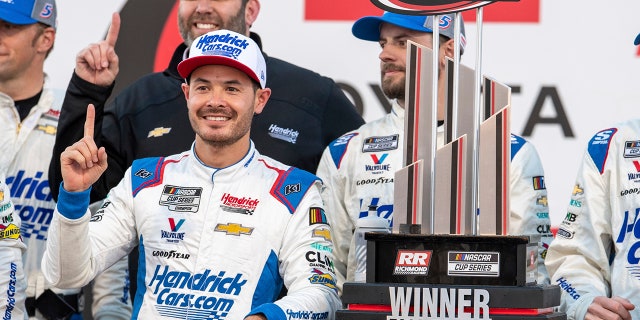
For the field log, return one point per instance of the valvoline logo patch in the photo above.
(379, 160)
(175, 226)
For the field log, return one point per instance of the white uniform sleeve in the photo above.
(333, 196)
(77, 249)
(111, 299)
(578, 258)
(110, 289)
(13, 282)
(309, 288)
(528, 203)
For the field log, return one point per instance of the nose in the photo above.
(204, 6)
(215, 98)
(386, 54)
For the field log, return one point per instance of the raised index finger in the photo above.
(90, 120)
(114, 30)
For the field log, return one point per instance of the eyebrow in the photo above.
(203, 80)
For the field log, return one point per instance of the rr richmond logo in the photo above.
(412, 262)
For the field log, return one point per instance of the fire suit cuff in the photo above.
(579, 308)
(270, 310)
(73, 205)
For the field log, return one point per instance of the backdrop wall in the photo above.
(573, 68)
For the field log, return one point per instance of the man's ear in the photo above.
(46, 39)
(448, 48)
(262, 96)
(185, 90)
(251, 12)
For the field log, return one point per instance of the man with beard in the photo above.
(351, 188)
(29, 109)
(231, 226)
(594, 257)
(304, 114)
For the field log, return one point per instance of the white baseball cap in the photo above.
(224, 47)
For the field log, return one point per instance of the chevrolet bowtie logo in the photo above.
(157, 132)
(542, 201)
(577, 190)
(233, 229)
(47, 129)
(322, 233)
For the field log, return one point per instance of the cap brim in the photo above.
(13, 18)
(368, 28)
(637, 41)
(187, 66)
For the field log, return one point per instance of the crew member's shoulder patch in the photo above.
(338, 147)
(599, 147)
(317, 216)
(517, 142)
(145, 172)
(291, 186)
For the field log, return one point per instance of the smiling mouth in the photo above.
(216, 118)
(201, 25)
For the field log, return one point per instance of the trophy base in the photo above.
(401, 301)
(450, 259)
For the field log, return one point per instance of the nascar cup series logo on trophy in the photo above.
(430, 7)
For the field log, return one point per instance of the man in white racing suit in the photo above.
(220, 227)
(29, 111)
(356, 175)
(595, 255)
(12, 282)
